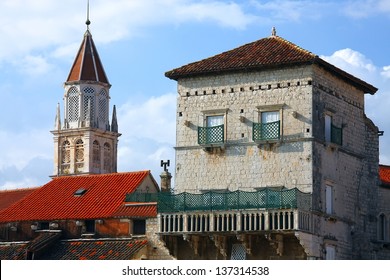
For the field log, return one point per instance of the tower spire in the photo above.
(87, 22)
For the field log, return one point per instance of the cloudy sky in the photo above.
(138, 41)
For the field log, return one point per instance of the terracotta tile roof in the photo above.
(56, 200)
(9, 197)
(13, 251)
(266, 53)
(95, 250)
(43, 241)
(136, 210)
(87, 65)
(384, 174)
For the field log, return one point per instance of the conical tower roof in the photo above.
(87, 65)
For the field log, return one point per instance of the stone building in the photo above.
(85, 142)
(275, 158)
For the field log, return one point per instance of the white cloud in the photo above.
(27, 26)
(35, 65)
(288, 10)
(362, 67)
(386, 72)
(18, 149)
(353, 62)
(148, 137)
(154, 119)
(366, 8)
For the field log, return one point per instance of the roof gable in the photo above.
(56, 200)
(266, 53)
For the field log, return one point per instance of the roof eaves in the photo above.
(366, 87)
(176, 76)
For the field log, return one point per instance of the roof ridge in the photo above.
(103, 174)
(20, 189)
(294, 45)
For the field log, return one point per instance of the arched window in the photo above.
(89, 100)
(73, 105)
(107, 157)
(79, 155)
(103, 108)
(65, 157)
(96, 155)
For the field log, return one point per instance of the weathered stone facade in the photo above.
(326, 148)
(238, 97)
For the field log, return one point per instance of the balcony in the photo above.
(211, 135)
(266, 131)
(236, 222)
(239, 211)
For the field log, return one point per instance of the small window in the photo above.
(329, 200)
(90, 226)
(382, 227)
(43, 225)
(333, 134)
(139, 227)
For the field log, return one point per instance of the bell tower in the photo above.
(84, 141)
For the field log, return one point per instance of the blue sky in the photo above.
(138, 41)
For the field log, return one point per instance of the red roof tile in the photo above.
(263, 54)
(95, 250)
(56, 200)
(9, 197)
(384, 174)
(13, 251)
(87, 65)
(136, 210)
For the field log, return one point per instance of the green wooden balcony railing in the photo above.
(265, 198)
(211, 135)
(266, 131)
(336, 135)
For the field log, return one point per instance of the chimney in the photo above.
(165, 177)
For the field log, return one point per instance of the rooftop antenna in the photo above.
(88, 22)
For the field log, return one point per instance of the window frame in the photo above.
(330, 128)
(214, 113)
(329, 199)
(260, 111)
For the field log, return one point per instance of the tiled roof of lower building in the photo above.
(9, 197)
(76, 197)
(384, 174)
(136, 210)
(13, 251)
(97, 249)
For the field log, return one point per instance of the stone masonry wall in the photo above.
(242, 163)
(347, 168)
